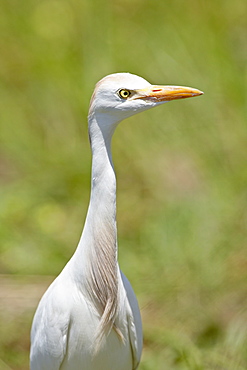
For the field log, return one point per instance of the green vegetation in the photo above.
(181, 168)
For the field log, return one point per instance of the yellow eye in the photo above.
(124, 93)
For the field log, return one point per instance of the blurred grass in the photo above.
(181, 168)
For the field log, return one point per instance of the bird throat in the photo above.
(103, 277)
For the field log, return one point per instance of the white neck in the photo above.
(96, 255)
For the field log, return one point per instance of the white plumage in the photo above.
(89, 319)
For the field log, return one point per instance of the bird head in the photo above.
(121, 95)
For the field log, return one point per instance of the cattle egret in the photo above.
(88, 319)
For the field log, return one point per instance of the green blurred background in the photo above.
(181, 168)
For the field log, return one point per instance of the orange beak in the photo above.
(166, 93)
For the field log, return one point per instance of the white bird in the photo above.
(89, 319)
